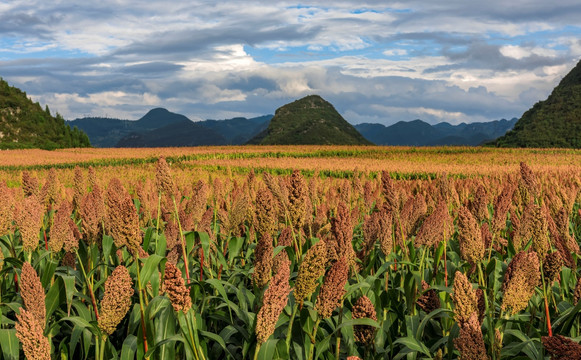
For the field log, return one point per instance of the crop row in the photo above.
(285, 266)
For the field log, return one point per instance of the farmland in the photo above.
(302, 252)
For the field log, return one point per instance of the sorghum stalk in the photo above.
(547, 315)
(141, 307)
(186, 266)
(313, 336)
(90, 288)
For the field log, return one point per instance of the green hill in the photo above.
(309, 121)
(555, 122)
(24, 124)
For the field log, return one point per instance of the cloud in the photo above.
(439, 61)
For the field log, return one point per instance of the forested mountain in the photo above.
(420, 133)
(25, 124)
(310, 120)
(554, 122)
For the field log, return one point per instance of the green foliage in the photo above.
(310, 120)
(555, 122)
(24, 124)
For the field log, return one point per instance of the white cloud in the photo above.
(453, 60)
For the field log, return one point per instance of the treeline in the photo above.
(24, 124)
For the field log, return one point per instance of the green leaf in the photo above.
(79, 321)
(427, 318)
(219, 340)
(413, 344)
(69, 282)
(267, 350)
(9, 344)
(55, 296)
(234, 247)
(151, 264)
(217, 284)
(107, 243)
(129, 347)
(169, 340)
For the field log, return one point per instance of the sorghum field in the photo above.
(290, 253)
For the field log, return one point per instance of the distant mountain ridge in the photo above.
(309, 121)
(420, 133)
(554, 122)
(160, 127)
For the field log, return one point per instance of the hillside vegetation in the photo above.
(24, 124)
(555, 122)
(309, 121)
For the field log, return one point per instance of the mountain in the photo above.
(310, 120)
(420, 133)
(183, 133)
(105, 132)
(554, 122)
(238, 131)
(24, 124)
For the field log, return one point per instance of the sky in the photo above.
(375, 61)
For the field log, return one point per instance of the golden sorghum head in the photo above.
(266, 212)
(174, 286)
(78, 188)
(163, 180)
(470, 342)
(539, 232)
(263, 261)
(342, 228)
(274, 300)
(437, 226)
(286, 237)
(529, 179)
(385, 233)
(92, 176)
(363, 309)
(117, 299)
(552, 266)
(174, 254)
(412, 213)
(69, 260)
(502, 204)
(389, 192)
(32, 293)
(371, 229)
(6, 209)
(333, 289)
(277, 192)
(521, 277)
(28, 218)
(296, 199)
(311, 268)
(487, 237)
(561, 348)
(61, 232)
(29, 184)
(196, 206)
(122, 218)
(577, 293)
(429, 301)
(465, 301)
(469, 237)
(29, 330)
(51, 190)
(479, 206)
(92, 213)
(481, 305)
